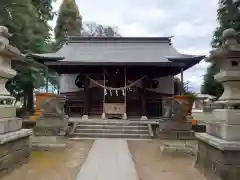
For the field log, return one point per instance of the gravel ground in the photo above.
(54, 165)
(151, 164)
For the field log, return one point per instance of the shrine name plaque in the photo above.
(114, 108)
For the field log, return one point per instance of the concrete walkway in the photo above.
(109, 159)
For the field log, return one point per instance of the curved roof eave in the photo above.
(46, 57)
(187, 59)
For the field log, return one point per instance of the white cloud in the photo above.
(191, 22)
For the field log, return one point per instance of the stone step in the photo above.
(94, 138)
(112, 135)
(111, 126)
(109, 122)
(129, 131)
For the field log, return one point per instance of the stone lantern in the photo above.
(14, 141)
(219, 148)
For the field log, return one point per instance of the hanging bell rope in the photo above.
(116, 89)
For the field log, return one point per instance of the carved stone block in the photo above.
(53, 107)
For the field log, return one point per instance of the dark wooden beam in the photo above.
(143, 96)
(86, 96)
(133, 71)
(182, 83)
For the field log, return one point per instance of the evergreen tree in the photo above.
(69, 22)
(210, 85)
(228, 16)
(28, 24)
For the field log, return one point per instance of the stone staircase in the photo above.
(89, 129)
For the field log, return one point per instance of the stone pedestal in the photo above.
(176, 130)
(218, 158)
(15, 147)
(177, 126)
(51, 125)
(219, 148)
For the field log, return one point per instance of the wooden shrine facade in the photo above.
(130, 94)
(117, 77)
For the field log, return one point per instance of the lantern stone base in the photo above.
(15, 150)
(218, 158)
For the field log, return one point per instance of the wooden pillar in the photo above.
(143, 98)
(104, 96)
(47, 79)
(86, 96)
(125, 94)
(182, 83)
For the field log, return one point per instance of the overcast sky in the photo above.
(191, 22)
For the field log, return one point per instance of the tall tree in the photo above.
(28, 24)
(210, 85)
(69, 22)
(228, 16)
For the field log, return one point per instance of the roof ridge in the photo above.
(79, 39)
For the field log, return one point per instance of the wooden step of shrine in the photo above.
(112, 126)
(112, 135)
(112, 129)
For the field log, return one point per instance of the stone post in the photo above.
(14, 141)
(219, 147)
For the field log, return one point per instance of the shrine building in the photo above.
(117, 77)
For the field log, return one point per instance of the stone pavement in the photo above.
(109, 159)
